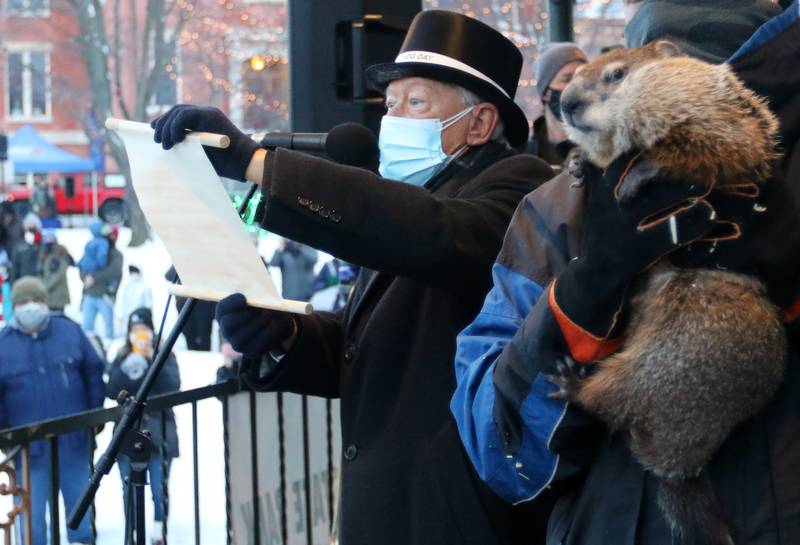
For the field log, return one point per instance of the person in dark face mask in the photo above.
(48, 370)
(553, 70)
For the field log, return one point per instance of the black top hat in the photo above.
(454, 48)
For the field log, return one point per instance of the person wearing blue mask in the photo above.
(49, 369)
(424, 232)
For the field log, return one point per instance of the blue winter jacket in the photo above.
(46, 375)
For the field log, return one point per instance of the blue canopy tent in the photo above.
(30, 152)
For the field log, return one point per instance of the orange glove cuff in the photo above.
(583, 346)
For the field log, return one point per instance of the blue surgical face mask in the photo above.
(411, 149)
(32, 316)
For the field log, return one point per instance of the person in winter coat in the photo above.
(527, 446)
(48, 370)
(95, 253)
(26, 258)
(100, 291)
(296, 262)
(127, 373)
(553, 71)
(425, 233)
(11, 228)
(135, 294)
(55, 262)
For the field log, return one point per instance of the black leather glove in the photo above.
(619, 241)
(757, 233)
(230, 162)
(253, 331)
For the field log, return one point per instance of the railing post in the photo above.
(165, 467)
(55, 519)
(226, 455)
(254, 469)
(329, 439)
(307, 472)
(26, 462)
(282, 470)
(195, 459)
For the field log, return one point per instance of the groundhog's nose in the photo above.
(570, 104)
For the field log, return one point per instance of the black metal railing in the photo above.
(16, 441)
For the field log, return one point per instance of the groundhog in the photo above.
(703, 349)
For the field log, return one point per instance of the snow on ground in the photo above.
(197, 369)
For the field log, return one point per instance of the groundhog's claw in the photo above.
(568, 379)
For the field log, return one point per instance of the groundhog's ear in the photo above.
(666, 48)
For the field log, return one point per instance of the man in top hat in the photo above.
(425, 233)
(553, 70)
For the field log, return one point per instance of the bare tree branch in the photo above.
(116, 52)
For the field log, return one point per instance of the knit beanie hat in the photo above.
(28, 288)
(141, 315)
(710, 30)
(32, 222)
(552, 58)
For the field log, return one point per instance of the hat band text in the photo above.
(443, 60)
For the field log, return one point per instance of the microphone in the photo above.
(347, 143)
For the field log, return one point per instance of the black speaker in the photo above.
(330, 45)
(3, 147)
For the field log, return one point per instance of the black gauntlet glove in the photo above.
(253, 331)
(757, 232)
(230, 162)
(619, 241)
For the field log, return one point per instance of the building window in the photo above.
(28, 85)
(28, 7)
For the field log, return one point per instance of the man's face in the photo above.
(422, 98)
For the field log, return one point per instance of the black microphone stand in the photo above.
(134, 410)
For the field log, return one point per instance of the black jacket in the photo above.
(427, 255)
(168, 380)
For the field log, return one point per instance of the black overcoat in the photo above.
(427, 255)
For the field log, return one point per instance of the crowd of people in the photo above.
(466, 275)
(50, 366)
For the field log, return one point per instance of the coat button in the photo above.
(302, 201)
(350, 453)
(349, 353)
(324, 212)
(313, 206)
(336, 217)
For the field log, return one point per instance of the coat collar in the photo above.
(458, 171)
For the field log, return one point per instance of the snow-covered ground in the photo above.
(197, 369)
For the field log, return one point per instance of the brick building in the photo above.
(232, 54)
(229, 53)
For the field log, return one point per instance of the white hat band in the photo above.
(443, 60)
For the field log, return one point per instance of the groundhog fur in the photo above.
(704, 349)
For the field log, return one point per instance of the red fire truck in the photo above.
(74, 194)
